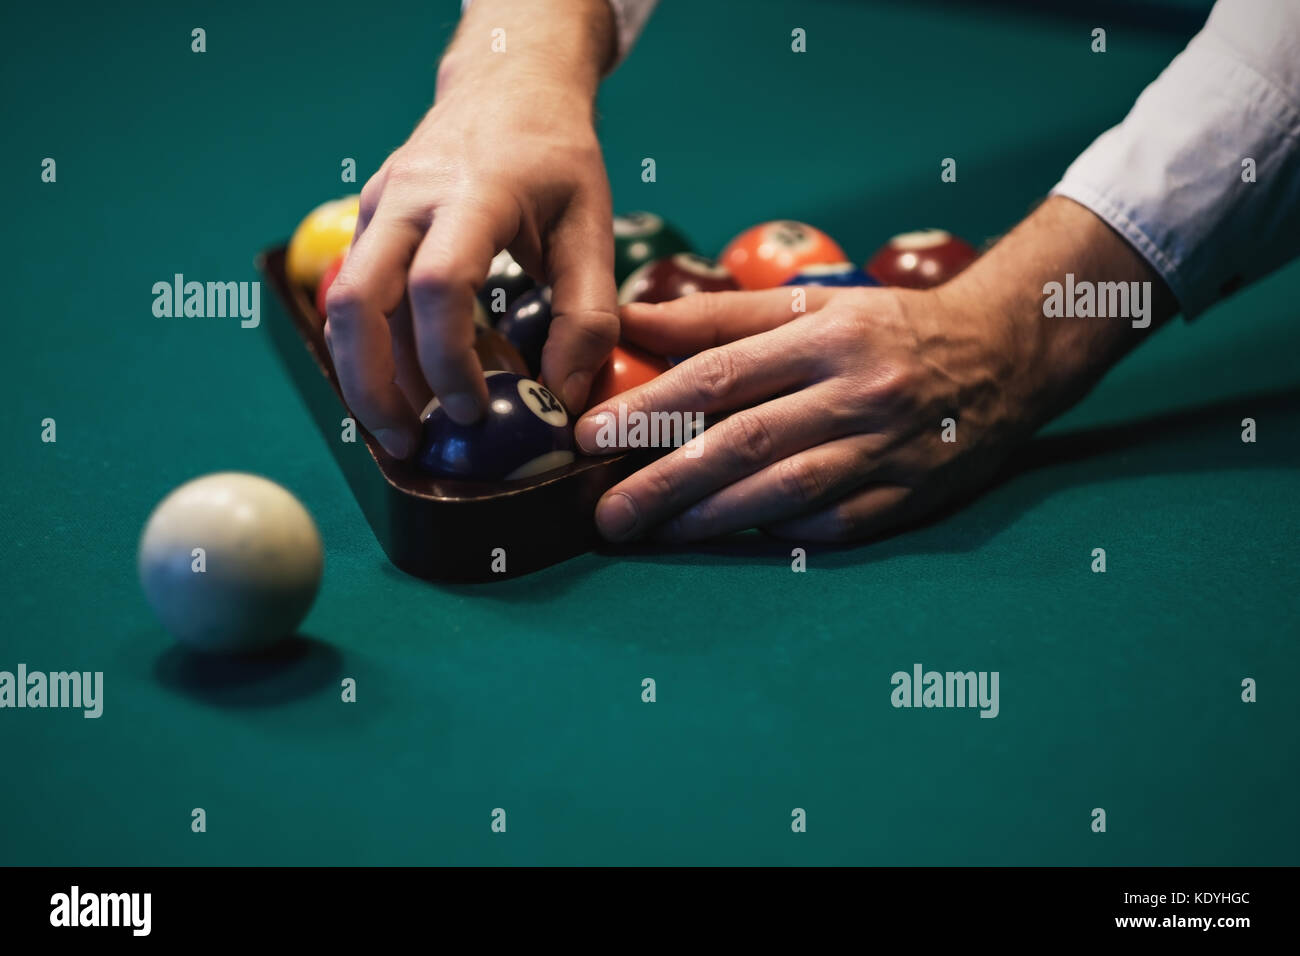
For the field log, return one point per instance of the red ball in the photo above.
(326, 281)
(921, 260)
(674, 277)
(766, 255)
(626, 368)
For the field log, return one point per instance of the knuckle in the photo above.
(661, 485)
(862, 302)
(710, 309)
(436, 279)
(800, 481)
(407, 169)
(894, 384)
(344, 298)
(596, 328)
(749, 439)
(370, 193)
(427, 283)
(840, 524)
(708, 305)
(715, 374)
(848, 328)
(889, 386)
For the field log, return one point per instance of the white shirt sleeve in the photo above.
(1170, 177)
(630, 18)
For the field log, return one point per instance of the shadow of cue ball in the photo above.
(296, 667)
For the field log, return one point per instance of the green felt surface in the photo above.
(1118, 691)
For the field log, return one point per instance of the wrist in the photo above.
(1026, 287)
(564, 46)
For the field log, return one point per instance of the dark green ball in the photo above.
(641, 237)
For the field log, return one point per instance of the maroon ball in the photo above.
(674, 277)
(921, 260)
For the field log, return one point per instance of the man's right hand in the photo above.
(507, 158)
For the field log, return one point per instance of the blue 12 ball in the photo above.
(524, 432)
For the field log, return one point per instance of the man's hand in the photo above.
(836, 415)
(506, 159)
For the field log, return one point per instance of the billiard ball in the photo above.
(495, 353)
(839, 274)
(764, 256)
(682, 274)
(626, 368)
(526, 325)
(320, 238)
(641, 237)
(524, 432)
(506, 282)
(256, 576)
(326, 281)
(921, 260)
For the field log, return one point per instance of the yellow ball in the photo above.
(320, 239)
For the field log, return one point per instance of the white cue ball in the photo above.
(262, 556)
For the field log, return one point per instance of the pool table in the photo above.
(1119, 690)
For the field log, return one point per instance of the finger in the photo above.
(722, 379)
(783, 490)
(708, 319)
(864, 514)
(584, 301)
(371, 194)
(369, 287)
(408, 375)
(449, 266)
(747, 442)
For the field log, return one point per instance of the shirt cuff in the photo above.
(630, 16)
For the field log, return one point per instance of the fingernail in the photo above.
(576, 387)
(594, 433)
(617, 517)
(396, 441)
(463, 407)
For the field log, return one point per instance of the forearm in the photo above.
(560, 44)
(1053, 360)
